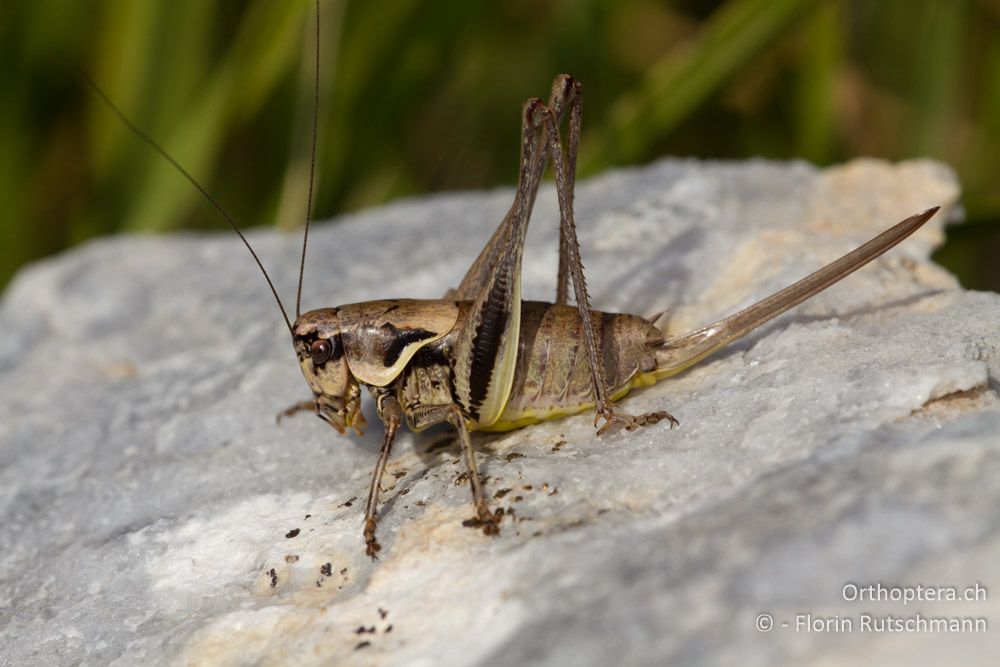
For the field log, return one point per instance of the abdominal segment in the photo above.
(553, 377)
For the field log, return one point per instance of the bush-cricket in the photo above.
(481, 358)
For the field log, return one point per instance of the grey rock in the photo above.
(149, 502)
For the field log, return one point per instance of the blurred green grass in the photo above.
(425, 96)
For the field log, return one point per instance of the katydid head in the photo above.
(320, 349)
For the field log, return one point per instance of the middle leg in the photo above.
(488, 521)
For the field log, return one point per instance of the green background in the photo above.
(425, 96)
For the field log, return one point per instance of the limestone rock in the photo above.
(152, 512)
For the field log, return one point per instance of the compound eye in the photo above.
(321, 351)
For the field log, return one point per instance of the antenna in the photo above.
(312, 173)
(166, 156)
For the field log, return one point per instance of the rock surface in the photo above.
(153, 513)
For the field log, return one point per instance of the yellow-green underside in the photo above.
(510, 421)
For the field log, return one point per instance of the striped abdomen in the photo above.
(553, 378)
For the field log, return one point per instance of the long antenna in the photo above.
(166, 156)
(312, 173)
